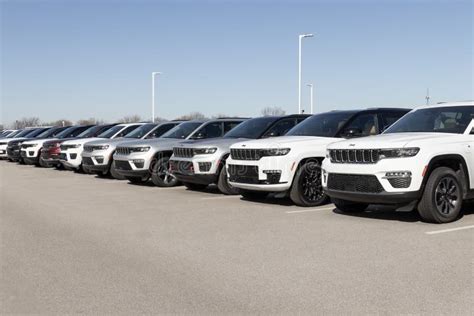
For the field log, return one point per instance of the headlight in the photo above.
(275, 152)
(75, 146)
(205, 151)
(398, 152)
(141, 149)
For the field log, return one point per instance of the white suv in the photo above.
(71, 150)
(291, 164)
(425, 160)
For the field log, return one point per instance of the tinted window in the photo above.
(229, 126)
(323, 125)
(36, 132)
(182, 131)
(211, 130)
(387, 119)
(141, 131)
(52, 132)
(65, 132)
(281, 127)
(24, 133)
(127, 130)
(93, 131)
(110, 132)
(472, 131)
(252, 128)
(362, 125)
(161, 130)
(453, 119)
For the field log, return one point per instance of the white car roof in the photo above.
(446, 104)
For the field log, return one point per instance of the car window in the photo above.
(280, 128)
(230, 125)
(141, 131)
(211, 130)
(127, 130)
(472, 131)
(362, 125)
(389, 118)
(160, 130)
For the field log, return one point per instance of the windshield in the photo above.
(91, 131)
(182, 131)
(322, 125)
(141, 131)
(13, 134)
(452, 119)
(36, 132)
(25, 132)
(65, 132)
(111, 131)
(253, 128)
(51, 132)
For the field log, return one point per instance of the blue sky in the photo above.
(79, 59)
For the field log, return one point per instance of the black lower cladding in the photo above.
(354, 183)
(87, 161)
(62, 156)
(243, 174)
(182, 167)
(400, 183)
(122, 165)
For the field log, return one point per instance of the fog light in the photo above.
(73, 156)
(204, 166)
(398, 174)
(31, 153)
(99, 159)
(139, 163)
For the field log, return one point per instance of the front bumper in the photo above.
(3, 151)
(271, 174)
(133, 165)
(189, 171)
(375, 198)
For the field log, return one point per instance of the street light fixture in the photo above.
(301, 36)
(310, 85)
(153, 74)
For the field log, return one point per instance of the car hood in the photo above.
(221, 143)
(81, 141)
(395, 140)
(156, 143)
(39, 141)
(286, 141)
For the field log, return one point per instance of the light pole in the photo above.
(153, 95)
(300, 37)
(310, 85)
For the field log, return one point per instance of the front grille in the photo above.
(354, 155)
(88, 148)
(246, 154)
(183, 152)
(123, 150)
(87, 161)
(24, 146)
(354, 183)
(243, 174)
(400, 183)
(122, 165)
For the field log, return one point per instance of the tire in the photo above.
(223, 183)
(136, 180)
(114, 173)
(349, 206)
(195, 186)
(307, 189)
(160, 175)
(441, 201)
(253, 195)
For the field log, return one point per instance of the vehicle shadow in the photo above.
(272, 200)
(384, 213)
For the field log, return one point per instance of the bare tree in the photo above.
(2, 127)
(160, 119)
(130, 119)
(90, 121)
(192, 116)
(26, 122)
(220, 115)
(58, 123)
(273, 111)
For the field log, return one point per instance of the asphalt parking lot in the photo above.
(74, 243)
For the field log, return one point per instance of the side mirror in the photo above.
(352, 132)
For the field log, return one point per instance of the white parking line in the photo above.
(448, 230)
(312, 210)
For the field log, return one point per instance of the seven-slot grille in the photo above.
(246, 154)
(87, 148)
(354, 155)
(354, 183)
(183, 152)
(124, 150)
(24, 146)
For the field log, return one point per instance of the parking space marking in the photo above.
(434, 232)
(312, 210)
